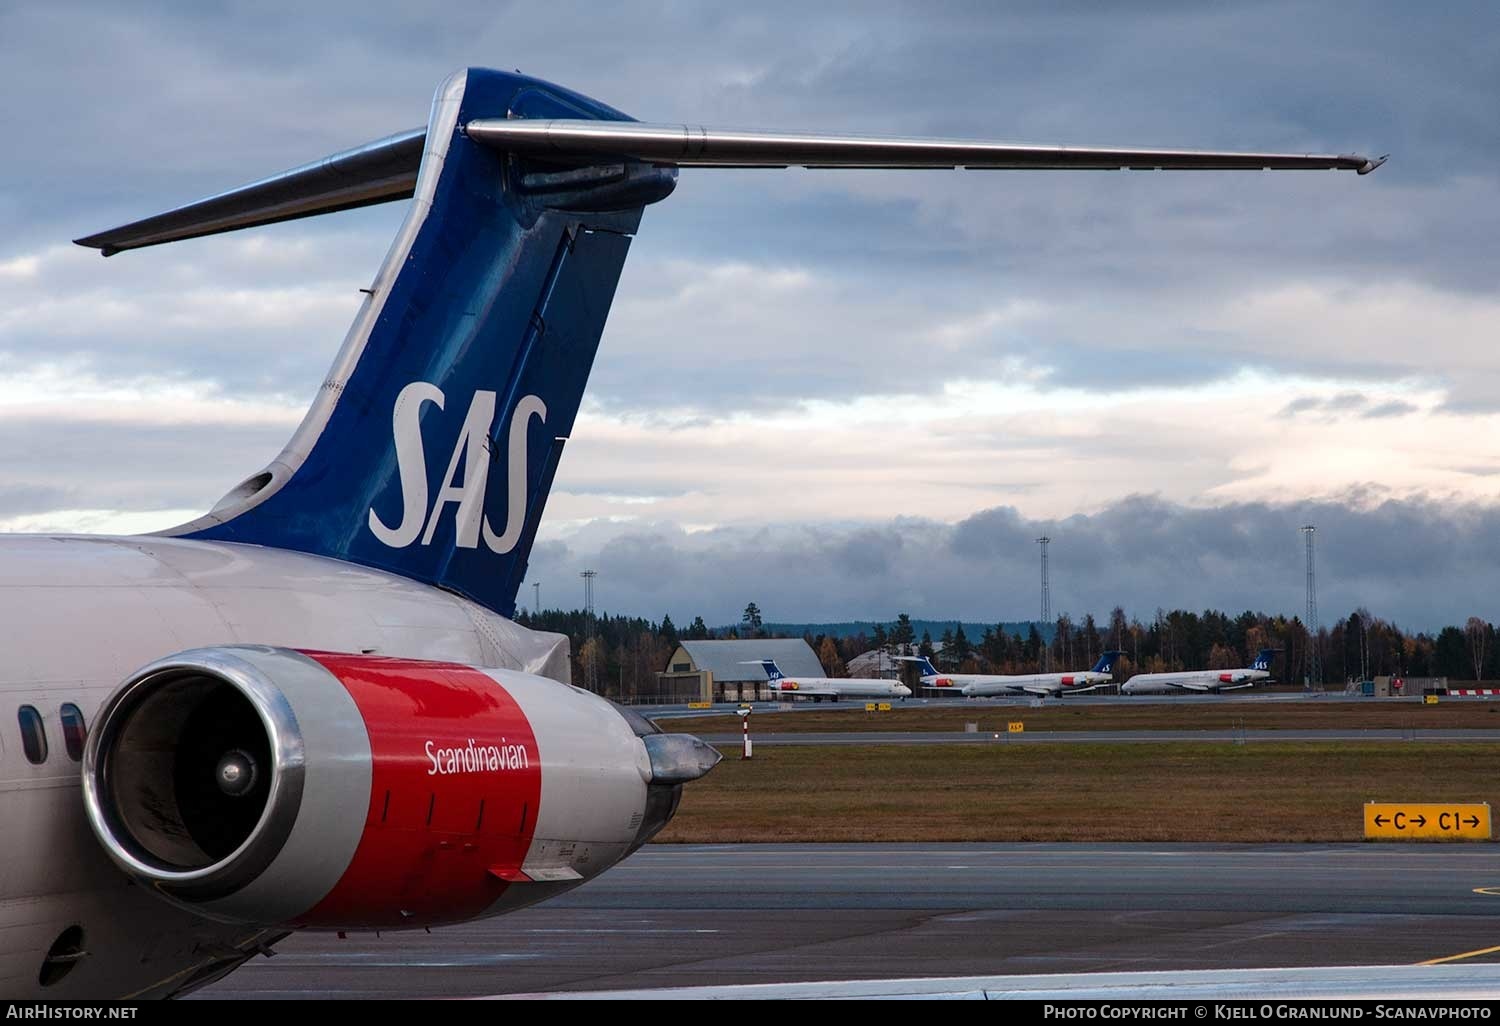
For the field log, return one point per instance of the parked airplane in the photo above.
(834, 688)
(308, 709)
(1202, 680)
(980, 685)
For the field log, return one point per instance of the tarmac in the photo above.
(918, 737)
(716, 915)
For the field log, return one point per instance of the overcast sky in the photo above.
(840, 394)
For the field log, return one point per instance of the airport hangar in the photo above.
(730, 671)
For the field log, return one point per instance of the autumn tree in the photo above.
(1117, 628)
(1477, 633)
(1222, 657)
(590, 654)
(828, 655)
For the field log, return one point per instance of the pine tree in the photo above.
(902, 632)
(751, 621)
(961, 647)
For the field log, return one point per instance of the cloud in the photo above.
(1423, 562)
(1392, 408)
(1350, 403)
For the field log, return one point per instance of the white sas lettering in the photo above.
(472, 450)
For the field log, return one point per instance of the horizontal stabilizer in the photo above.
(580, 141)
(374, 173)
(386, 169)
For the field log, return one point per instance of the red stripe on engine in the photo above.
(456, 783)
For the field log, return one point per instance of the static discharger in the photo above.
(1413, 821)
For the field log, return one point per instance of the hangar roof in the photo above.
(726, 659)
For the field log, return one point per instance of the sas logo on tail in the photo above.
(472, 452)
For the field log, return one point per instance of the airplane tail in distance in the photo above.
(773, 672)
(1106, 663)
(432, 444)
(924, 665)
(1263, 659)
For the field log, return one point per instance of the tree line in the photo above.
(628, 651)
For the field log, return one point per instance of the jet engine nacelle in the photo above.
(270, 786)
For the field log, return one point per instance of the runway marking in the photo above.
(1461, 956)
(1064, 849)
(380, 960)
(572, 932)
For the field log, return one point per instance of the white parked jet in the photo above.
(981, 685)
(308, 708)
(833, 688)
(1202, 681)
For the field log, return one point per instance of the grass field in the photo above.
(1177, 791)
(1124, 715)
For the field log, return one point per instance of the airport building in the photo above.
(730, 671)
(879, 662)
(1394, 687)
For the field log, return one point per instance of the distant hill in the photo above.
(846, 628)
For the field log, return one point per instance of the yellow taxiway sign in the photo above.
(1427, 821)
(1016, 727)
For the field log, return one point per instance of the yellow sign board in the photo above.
(885, 707)
(1429, 699)
(1427, 821)
(869, 707)
(700, 705)
(1016, 727)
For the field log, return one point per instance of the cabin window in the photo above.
(74, 730)
(33, 735)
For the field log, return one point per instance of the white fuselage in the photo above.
(838, 687)
(980, 685)
(1201, 681)
(79, 614)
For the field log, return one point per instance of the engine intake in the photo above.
(196, 775)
